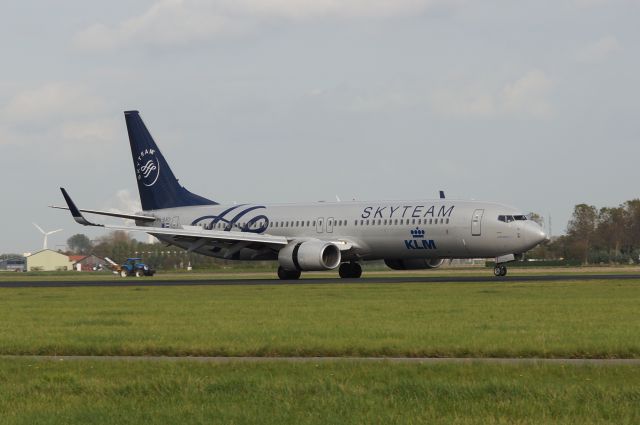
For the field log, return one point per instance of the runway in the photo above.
(116, 281)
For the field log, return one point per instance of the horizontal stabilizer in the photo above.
(136, 217)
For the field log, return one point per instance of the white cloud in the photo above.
(525, 97)
(463, 103)
(124, 202)
(63, 114)
(170, 22)
(599, 50)
(50, 101)
(91, 131)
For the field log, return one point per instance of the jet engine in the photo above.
(311, 255)
(414, 263)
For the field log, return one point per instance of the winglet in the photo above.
(75, 212)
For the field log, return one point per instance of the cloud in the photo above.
(176, 22)
(92, 131)
(50, 101)
(63, 114)
(525, 97)
(599, 50)
(124, 202)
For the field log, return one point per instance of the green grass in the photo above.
(150, 392)
(562, 319)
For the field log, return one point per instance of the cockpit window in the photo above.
(510, 218)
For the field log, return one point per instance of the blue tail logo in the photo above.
(147, 167)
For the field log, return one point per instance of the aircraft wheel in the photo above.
(356, 270)
(344, 270)
(503, 270)
(123, 273)
(350, 270)
(285, 274)
(497, 271)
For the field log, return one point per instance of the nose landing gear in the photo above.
(500, 270)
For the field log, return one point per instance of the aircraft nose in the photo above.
(535, 234)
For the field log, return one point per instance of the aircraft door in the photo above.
(330, 221)
(476, 223)
(320, 224)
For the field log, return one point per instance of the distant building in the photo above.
(48, 260)
(87, 263)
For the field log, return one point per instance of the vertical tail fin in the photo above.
(157, 184)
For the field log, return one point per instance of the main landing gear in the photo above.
(350, 270)
(285, 274)
(500, 270)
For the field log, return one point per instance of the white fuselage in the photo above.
(429, 229)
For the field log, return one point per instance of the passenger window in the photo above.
(314, 223)
(447, 221)
(395, 221)
(413, 221)
(430, 221)
(367, 222)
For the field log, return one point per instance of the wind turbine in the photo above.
(46, 234)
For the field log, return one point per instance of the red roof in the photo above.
(76, 258)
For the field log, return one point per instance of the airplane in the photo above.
(301, 237)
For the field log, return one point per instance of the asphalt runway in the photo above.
(116, 281)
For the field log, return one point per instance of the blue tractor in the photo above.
(135, 267)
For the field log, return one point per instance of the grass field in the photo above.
(596, 319)
(136, 392)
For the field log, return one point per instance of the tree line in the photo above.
(594, 236)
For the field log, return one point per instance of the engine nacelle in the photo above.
(311, 255)
(414, 263)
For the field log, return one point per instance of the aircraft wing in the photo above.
(196, 237)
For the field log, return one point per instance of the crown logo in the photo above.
(417, 233)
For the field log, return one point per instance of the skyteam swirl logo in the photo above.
(147, 167)
(236, 218)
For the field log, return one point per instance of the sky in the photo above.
(531, 104)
